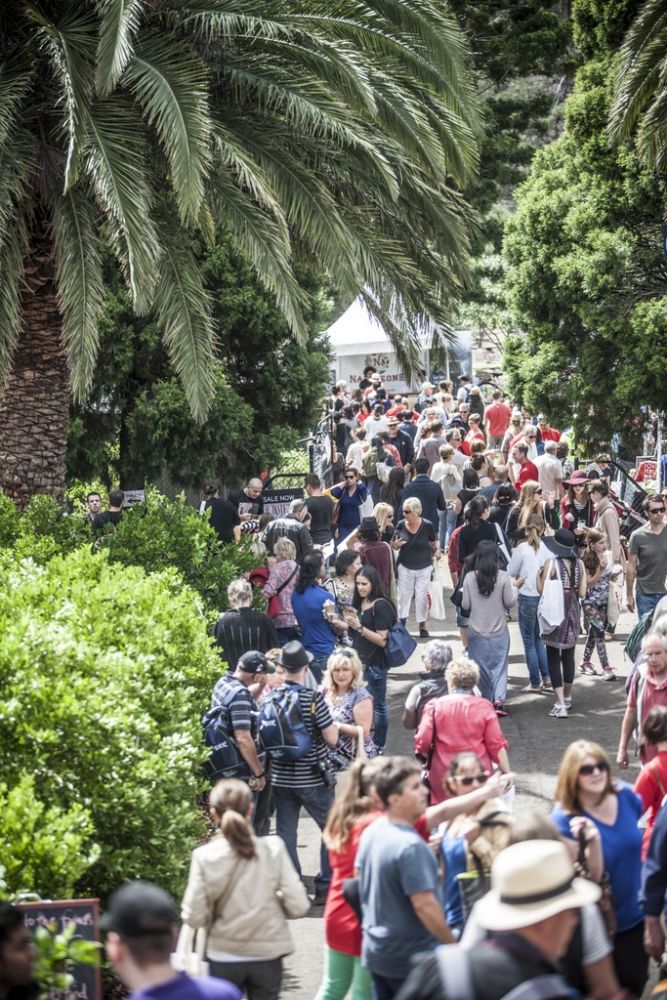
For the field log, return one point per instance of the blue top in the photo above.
(183, 987)
(317, 634)
(621, 850)
(349, 517)
(453, 850)
(394, 862)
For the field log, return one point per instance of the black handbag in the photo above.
(472, 886)
(457, 596)
(350, 888)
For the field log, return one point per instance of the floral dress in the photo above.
(342, 711)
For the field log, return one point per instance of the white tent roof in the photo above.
(356, 332)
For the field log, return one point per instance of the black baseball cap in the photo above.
(140, 909)
(253, 662)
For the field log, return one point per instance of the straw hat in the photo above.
(532, 881)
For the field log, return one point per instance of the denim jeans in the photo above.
(534, 648)
(647, 602)
(318, 665)
(286, 635)
(385, 988)
(447, 524)
(375, 679)
(316, 801)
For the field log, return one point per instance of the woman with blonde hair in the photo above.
(384, 515)
(531, 502)
(282, 579)
(524, 567)
(241, 890)
(351, 707)
(603, 816)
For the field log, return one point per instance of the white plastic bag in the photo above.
(436, 595)
(551, 609)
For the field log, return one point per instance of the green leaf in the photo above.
(80, 285)
(119, 24)
(170, 85)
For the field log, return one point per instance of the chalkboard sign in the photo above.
(84, 913)
(277, 502)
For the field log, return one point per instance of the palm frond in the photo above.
(80, 283)
(119, 23)
(12, 256)
(183, 312)
(171, 87)
(264, 238)
(643, 61)
(116, 165)
(17, 163)
(70, 44)
(15, 79)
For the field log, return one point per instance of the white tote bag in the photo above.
(551, 609)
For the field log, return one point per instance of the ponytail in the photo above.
(229, 802)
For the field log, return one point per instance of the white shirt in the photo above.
(550, 471)
(374, 427)
(527, 562)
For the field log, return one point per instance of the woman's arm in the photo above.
(195, 908)
(458, 506)
(582, 581)
(447, 810)
(466, 602)
(542, 575)
(363, 716)
(510, 593)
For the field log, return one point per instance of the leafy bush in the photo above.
(164, 532)
(42, 530)
(104, 672)
(45, 848)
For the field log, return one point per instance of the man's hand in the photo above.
(631, 602)
(257, 784)
(622, 758)
(654, 937)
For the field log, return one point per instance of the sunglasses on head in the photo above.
(587, 769)
(467, 781)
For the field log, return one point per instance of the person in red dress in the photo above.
(651, 783)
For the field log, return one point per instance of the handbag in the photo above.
(456, 597)
(472, 886)
(351, 895)
(551, 607)
(190, 953)
(502, 545)
(400, 645)
(436, 598)
(614, 601)
(606, 903)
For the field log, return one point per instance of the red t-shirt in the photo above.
(498, 416)
(549, 434)
(651, 786)
(528, 471)
(342, 930)
(654, 693)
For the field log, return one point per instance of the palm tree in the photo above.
(640, 97)
(347, 127)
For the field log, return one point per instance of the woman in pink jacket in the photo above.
(459, 721)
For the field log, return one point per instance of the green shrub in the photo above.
(42, 530)
(45, 849)
(163, 532)
(104, 673)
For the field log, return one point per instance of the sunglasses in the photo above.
(656, 510)
(467, 781)
(350, 477)
(587, 769)
(538, 491)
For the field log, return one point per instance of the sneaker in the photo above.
(558, 712)
(424, 633)
(500, 710)
(608, 674)
(586, 667)
(568, 703)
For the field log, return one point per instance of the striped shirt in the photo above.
(241, 710)
(237, 632)
(305, 773)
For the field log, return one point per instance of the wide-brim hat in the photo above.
(563, 543)
(530, 882)
(295, 657)
(578, 476)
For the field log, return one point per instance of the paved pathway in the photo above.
(536, 745)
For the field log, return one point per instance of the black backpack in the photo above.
(225, 759)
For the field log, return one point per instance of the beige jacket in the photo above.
(266, 891)
(608, 523)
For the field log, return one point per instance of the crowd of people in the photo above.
(422, 861)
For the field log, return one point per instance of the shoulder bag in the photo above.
(273, 607)
(400, 645)
(551, 607)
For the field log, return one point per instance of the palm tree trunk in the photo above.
(34, 409)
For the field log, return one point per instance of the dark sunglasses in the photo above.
(587, 769)
(350, 477)
(656, 510)
(467, 781)
(538, 491)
